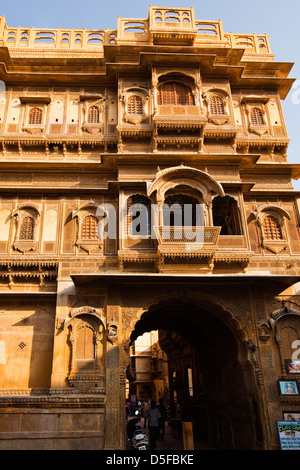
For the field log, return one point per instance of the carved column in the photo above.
(114, 413)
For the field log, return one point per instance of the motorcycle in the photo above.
(137, 437)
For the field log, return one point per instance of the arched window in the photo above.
(175, 93)
(35, 116)
(86, 352)
(138, 215)
(216, 105)
(89, 228)
(226, 214)
(256, 117)
(27, 228)
(135, 105)
(93, 115)
(271, 228)
(180, 210)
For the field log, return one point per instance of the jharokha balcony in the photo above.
(187, 237)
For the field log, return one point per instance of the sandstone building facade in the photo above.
(163, 110)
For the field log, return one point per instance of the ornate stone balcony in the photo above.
(194, 237)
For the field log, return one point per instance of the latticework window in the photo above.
(175, 93)
(135, 105)
(216, 105)
(27, 227)
(89, 228)
(93, 115)
(256, 117)
(35, 116)
(272, 229)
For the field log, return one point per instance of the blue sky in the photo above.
(278, 18)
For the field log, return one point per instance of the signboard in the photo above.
(289, 435)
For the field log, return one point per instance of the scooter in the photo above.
(139, 441)
(137, 437)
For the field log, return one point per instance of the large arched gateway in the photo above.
(205, 341)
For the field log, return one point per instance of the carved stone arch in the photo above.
(91, 206)
(28, 205)
(191, 176)
(273, 208)
(185, 182)
(233, 370)
(243, 332)
(177, 73)
(86, 310)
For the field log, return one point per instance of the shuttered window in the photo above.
(138, 200)
(272, 229)
(135, 105)
(26, 230)
(216, 105)
(93, 115)
(35, 116)
(226, 215)
(89, 228)
(175, 93)
(85, 343)
(256, 117)
(235, 218)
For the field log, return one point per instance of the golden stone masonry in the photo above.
(165, 111)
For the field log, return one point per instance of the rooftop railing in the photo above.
(33, 38)
(161, 22)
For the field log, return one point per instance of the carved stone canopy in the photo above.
(86, 310)
(282, 312)
(198, 179)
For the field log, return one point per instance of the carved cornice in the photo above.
(65, 398)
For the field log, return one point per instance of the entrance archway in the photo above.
(210, 374)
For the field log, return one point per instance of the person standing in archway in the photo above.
(154, 417)
(163, 412)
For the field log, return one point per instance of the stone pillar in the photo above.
(60, 342)
(114, 414)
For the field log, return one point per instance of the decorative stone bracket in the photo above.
(24, 246)
(90, 246)
(112, 332)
